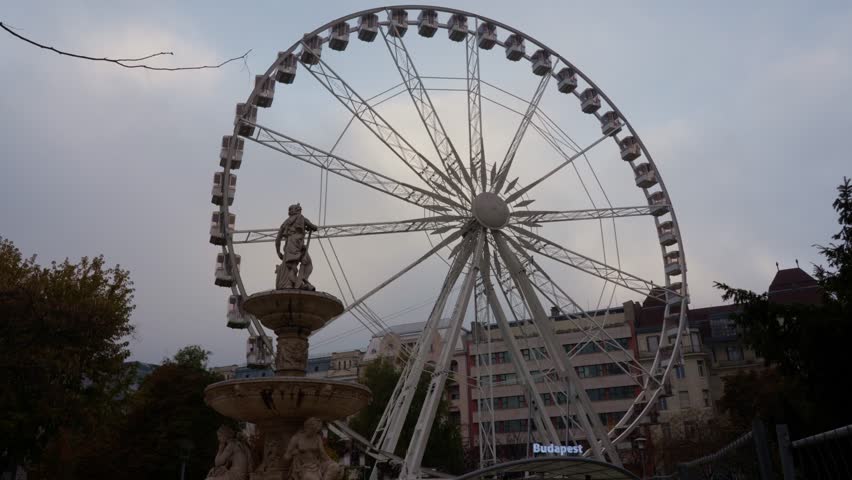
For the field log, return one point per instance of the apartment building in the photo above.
(343, 366)
(493, 373)
(712, 349)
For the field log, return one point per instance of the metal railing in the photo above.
(747, 457)
(826, 455)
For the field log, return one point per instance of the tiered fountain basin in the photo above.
(261, 400)
(279, 405)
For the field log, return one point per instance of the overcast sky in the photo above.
(745, 108)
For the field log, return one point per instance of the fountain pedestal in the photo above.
(279, 405)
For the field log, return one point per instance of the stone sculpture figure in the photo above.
(233, 460)
(297, 265)
(307, 456)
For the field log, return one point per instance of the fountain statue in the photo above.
(297, 265)
(233, 460)
(288, 408)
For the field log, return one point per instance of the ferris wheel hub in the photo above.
(490, 210)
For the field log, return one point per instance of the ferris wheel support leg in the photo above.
(482, 322)
(542, 422)
(588, 419)
(435, 390)
(397, 409)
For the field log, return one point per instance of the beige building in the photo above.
(344, 366)
(712, 350)
(598, 364)
(227, 371)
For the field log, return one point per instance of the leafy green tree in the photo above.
(805, 343)
(193, 356)
(444, 450)
(165, 414)
(768, 395)
(63, 331)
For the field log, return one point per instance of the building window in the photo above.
(695, 339)
(496, 358)
(619, 344)
(454, 393)
(653, 343)
(706, 394)
(590, 347)
(603, 369)
(683, 396)
(723, 327)
(667, 430)
(663, 403)
(735, 352)
(680, 372)
(700, 368)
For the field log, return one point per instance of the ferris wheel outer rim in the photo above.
(228, 249)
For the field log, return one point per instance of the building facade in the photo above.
(712, 349)
(598, 364)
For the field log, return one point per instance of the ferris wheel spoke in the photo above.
(503, 171)
(426, 109)
(445, 242)
(538, 244)
(448, 341)
(350, 170)
(517, 194)
(474, 111)
(557, 296)
(535, 217)
(438, 223)
(374, 122)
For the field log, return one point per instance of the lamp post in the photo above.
(639, 443)
(185, 445)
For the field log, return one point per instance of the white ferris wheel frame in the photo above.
(448, 196)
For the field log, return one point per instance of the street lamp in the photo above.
(185, 446)
(639, 443)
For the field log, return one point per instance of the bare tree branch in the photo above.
(123, 62)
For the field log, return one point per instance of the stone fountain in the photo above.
(288, 408)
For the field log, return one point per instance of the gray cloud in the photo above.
(745, 110)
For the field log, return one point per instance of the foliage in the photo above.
(192, 356)
(836, 280)
(693, 434)
(444, 449)
(63, 331)
(766, 394)
(806, 343)
(165, 414)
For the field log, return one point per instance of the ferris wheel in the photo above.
(505, 258)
